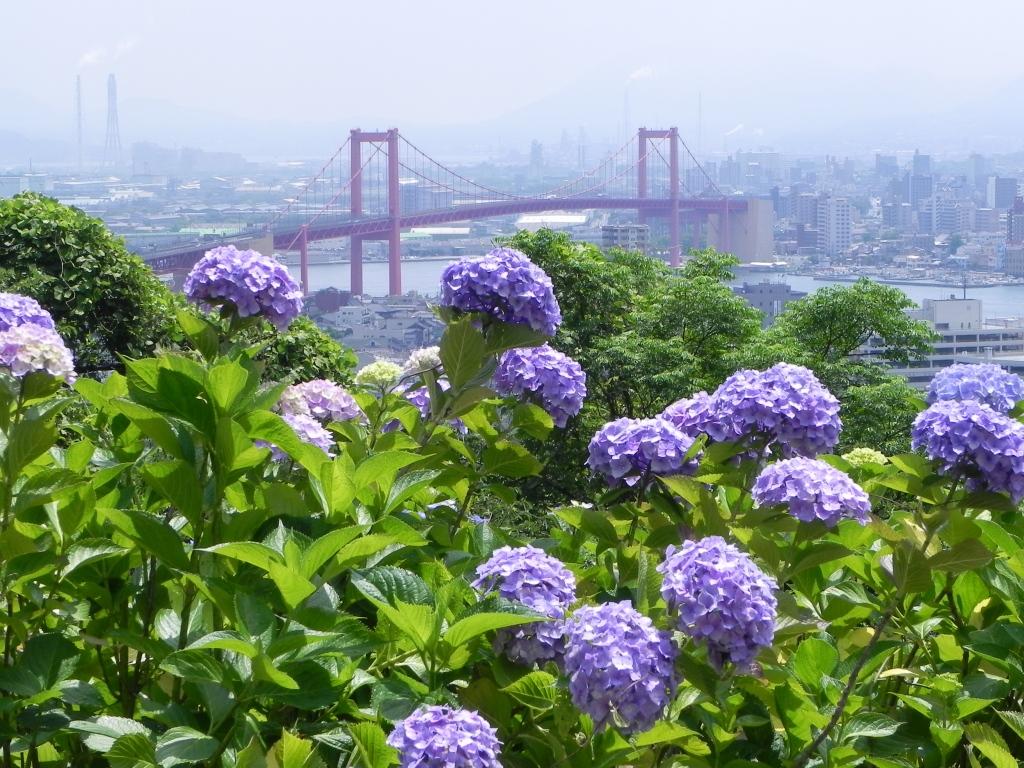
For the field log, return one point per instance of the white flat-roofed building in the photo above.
(964, 337)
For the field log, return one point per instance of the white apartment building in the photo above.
(834, 215)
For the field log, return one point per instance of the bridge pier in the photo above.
(304, 259)
(355, 282)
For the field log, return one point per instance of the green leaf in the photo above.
(910, 570)
(537, 690)
(502, 336)
(251, 552)
(912, 464)
(252, 756)
(226, 640)
(664, 733)
(26, 441)
(816, 555)
(381, 468)
(195, 666)
(293, 752)
(533, 420)
(414, 621)
(463, 351)
(465, 629)
(388, 584)
(89, 551)
(228, 383)
(101, 732)
(813, 660)
(184, 745)
(1015, 720)
(176, 482)
(152, 424)
(871, 724)
(263, 669)
(371, 747)
(987, 740)
(363, 547)
(133, 750)
(590, 520)
(201, 332)
(510, 460)
(46, 661)
(152, 534)
(325, 548)
(967, 555)
(292, 586)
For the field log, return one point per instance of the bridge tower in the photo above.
(672, 134)
(394, 233)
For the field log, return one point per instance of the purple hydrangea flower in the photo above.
(971, 439)
(254, 284)
(324, 400)
(30, 348)
(786, 405)
(812, 490)
(723, 599)
(444, 737)
(691, 415)
(308, 430)
(625, 450)
(504, 284)
(16, 309)
(621, 669)
(986, 383)
(556, 380)
(540, 582)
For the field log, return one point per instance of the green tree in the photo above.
(105, 301)
(304, 351)
(826, 331)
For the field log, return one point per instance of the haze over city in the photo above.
(276, 80)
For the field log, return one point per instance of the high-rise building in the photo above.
(1015, 222)
(979, 171)
(1002, 191)
(917, 187)
(834, 226)
(886, 165)
(804, 209)
(922, 165)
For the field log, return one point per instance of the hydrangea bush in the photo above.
(202, 567)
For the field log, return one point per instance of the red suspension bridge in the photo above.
(379, 183)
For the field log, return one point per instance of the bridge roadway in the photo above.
(182, 257)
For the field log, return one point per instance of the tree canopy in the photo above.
(105, 301)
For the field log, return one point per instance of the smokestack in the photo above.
(112, 146)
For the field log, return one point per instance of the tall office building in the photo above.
(922, 165)
(1015, 222)
(1002, 191)
(834, 214)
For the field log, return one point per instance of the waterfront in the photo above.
(423, 275)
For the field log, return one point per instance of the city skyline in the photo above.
(267, 86)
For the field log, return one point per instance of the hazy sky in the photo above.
(824, 73)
